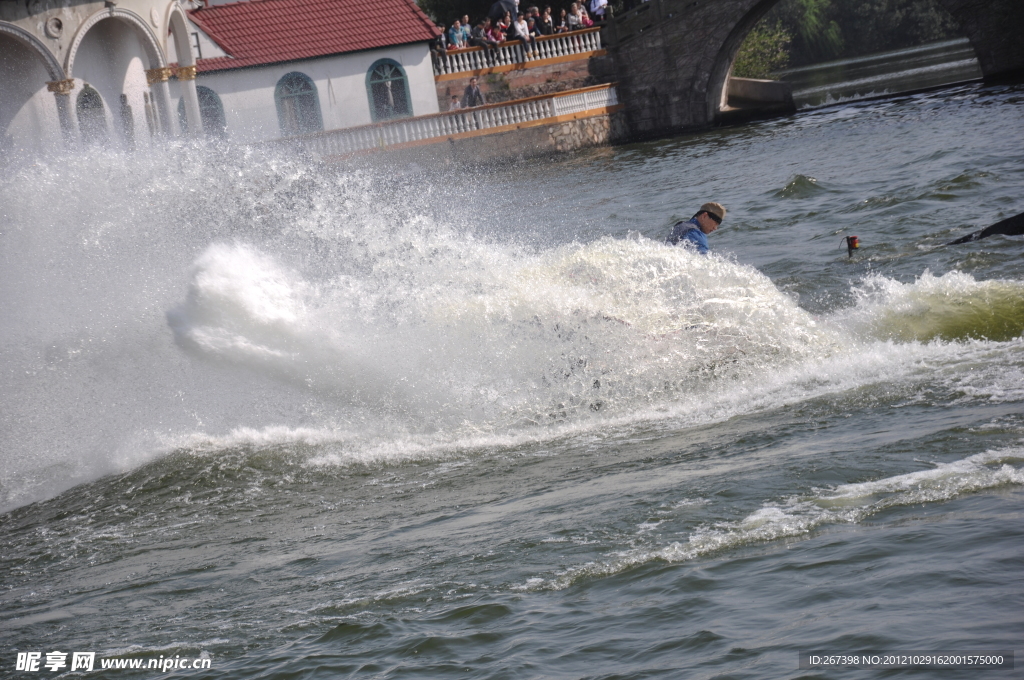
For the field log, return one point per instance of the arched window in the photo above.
(298, 105)
(211, 112)
(92, 116)
(388, 90)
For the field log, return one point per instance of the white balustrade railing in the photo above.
(584, 100)
(441, 125)
(514, 52)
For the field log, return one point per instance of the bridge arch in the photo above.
(722, 65)
(672, 57)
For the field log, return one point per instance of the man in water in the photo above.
(694, 231)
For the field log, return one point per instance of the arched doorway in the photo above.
(92, 116)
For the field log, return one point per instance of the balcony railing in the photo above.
(513, 52)
(442, 125)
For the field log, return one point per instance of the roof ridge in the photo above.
(259, 32)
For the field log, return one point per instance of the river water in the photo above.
(483, 423)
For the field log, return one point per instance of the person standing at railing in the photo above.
(562, 25)
(598, 9)
(465, 30)
(473, 96)
(455, 104)
(546, 24)
(574, 21)
(532, 13)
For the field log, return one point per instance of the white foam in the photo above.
(954, 306)
(291, 307)
(507, 337)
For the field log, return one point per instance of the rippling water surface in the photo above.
(437, 422)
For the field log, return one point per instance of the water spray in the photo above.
(852, 244)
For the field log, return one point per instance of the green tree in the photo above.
(812, 23)
(822, 30)
(878, 25)
(765, 49)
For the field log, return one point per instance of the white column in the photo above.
(187, 79)
(157, 79)
(61, 90)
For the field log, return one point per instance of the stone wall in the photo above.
(586, 132)
(522, 82)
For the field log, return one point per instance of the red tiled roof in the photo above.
(272, 31)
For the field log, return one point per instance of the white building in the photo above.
(125, 71)
(272, 68)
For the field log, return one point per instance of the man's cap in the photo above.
(716, 209)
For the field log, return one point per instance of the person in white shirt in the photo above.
(573, 20)
(598, 8)
(523, 33)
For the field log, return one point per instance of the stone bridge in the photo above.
(672, 57)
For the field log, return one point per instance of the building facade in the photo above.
(280, 68)
(91, 72)
(126, 72)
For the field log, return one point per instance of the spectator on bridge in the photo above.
(694, 232)
(473, 96)
(522, 32)
(498, 32)
(439, 47)
(455, 104)
(466, 29)
(546, 24)
(573, 20)
(585, 20)
(534, 31)
(481, 38)
(562, 25)
(455, 40)
(598, 9)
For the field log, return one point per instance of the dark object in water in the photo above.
(852, 244)
(1011, 226)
